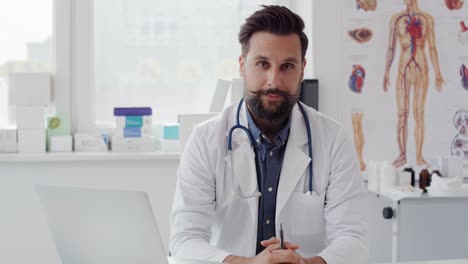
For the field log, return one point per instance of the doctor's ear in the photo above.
(241, 65)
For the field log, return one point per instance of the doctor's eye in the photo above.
(263, 64)
(287, 66)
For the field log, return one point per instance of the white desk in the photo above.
(454, 261)
(185, 261)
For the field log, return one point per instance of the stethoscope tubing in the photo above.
(247, 131)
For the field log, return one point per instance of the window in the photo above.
(167, 54)
(26, 43)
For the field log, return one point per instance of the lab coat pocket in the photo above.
(305, 222)
(305, 213)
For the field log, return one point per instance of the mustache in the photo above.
(272, 91)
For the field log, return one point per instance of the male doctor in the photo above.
(229, 204)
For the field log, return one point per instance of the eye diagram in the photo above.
(360, 35)
(356, 80)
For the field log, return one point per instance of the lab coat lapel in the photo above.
(296, 159)
(241, 161)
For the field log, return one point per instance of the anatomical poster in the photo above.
(404, 75)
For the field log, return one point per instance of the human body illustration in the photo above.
(358, 132)
(413, 29)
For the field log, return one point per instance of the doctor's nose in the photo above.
(274, 79)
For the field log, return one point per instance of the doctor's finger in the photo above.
(287, 245)
(286, 256)
(291, 246)
(271, 248)
(271, 241)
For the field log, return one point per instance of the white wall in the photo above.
(326, 55)
(24, 234)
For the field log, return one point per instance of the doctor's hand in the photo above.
(264, 257)
(275, 240)
(286, 255)
(289, 254)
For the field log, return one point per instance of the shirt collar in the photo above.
(257, 134)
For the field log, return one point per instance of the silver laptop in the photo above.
(92, 226)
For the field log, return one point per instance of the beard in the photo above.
(276, 112)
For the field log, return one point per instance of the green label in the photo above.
(133, 121)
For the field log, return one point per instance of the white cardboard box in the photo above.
(133, 148)
(220, 94)
(8, 142)
(121, 121)
(237, 89)
(137, 140)
(31, 140)
(30, 117)
(61, 144)
(133, 132)
(91, 142)
(142, 144)
(30, 88)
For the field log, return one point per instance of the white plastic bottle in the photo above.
(374, 176)
(388, 177)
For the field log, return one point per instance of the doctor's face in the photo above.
(272, 70)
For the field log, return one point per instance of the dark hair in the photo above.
(273, 19)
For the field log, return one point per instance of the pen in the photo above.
(281, 237)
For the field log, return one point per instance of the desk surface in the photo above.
(453, 261)
(185, 261)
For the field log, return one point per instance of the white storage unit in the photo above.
(422, 228)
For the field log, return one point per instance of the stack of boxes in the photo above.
(58, 134)
(170, 138)
(30, 93)
(133, 132)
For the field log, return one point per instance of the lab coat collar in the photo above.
(296, 160)
(297, 133)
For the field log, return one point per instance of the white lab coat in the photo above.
(213, 218)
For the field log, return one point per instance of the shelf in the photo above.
(87, 156)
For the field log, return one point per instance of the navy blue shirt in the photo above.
(269, 160)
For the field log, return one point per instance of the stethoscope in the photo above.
(251, 140)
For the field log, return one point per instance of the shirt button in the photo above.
(268, 221)
(270, 189)
(258, 140)
(271, 153)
